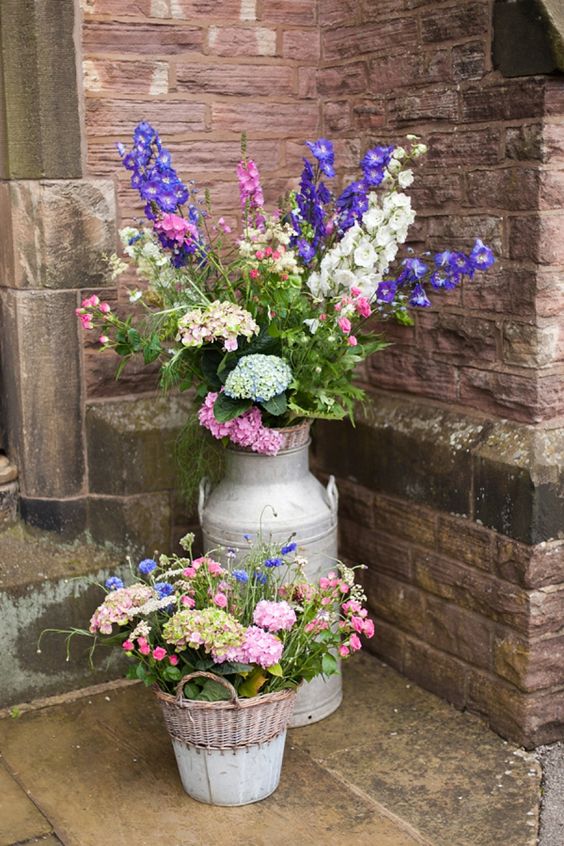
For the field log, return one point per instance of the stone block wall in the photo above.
(452, 484)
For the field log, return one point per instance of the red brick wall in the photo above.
(495, 170)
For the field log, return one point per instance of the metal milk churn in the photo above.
(278, 496)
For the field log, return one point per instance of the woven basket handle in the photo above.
(199, 674)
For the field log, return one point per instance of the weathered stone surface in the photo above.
(42, 127)
(139, 524)
(20, 818)
(46, 583)
(438, 672)
(530, 665)
(57, 233)
(42, 383)
(432, 447)
(8, 471)
(530, 566)
(522, 45)
(518, 482)
(66, 517)
(135, 437)
(393, 775)
(9, 500)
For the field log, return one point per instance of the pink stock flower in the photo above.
(189, 572)
(159, 653)
(344, 325)
(355, 643)
(215, 568)
(187, 601)
(362, 306)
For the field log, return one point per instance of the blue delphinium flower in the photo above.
(322, 150)
(351, 204)
(273, 562)
(164, 589)
(258, 378)
(386, 291)
(241, 575)
(419, 298)
(147, 566)
(114, 583)
(289, 547)
(416, 268)
(153, 176)
(481, 256)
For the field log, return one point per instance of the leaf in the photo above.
(140, 672)
(191, 690)
(252, 684)
(277, 405)
(229, 667)
(329, 665)
(276, 670)
(213, 691)
(172, 674)
(226, 409)
(202, 663)
(210, 362)
(151, 349)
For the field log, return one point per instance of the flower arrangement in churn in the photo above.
(270, 325)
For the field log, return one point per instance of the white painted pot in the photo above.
(278, 495)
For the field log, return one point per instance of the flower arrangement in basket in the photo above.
(226, 648)
(270, 326)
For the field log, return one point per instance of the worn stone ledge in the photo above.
(506, 476)
(56, 233)
(130, 443)
(47, 583)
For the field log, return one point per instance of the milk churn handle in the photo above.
(332, 496)
(205, 490)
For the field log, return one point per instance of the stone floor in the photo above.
(395, 766)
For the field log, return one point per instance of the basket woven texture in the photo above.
(295, 436)
(226, 724)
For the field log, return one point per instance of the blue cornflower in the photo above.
(419, 298)
(241, 575)
(290, 547)
(231, 553)
(114, 583)
(164, 589)
(273, 562)
(247, 537)
(260, 577)
(147, 566)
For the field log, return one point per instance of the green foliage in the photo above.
(197, 455)
(226, 408)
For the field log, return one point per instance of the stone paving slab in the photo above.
(386, 770)
(19, 818)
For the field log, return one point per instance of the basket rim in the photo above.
(223, 704)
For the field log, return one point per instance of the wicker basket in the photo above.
(225, 725)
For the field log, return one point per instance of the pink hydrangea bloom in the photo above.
(119, 607)
(260, 647)
(245, 431)
(274, 616)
